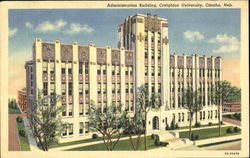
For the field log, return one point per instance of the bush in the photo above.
(236, 129)
(229, 130)
(94, 136)
(173, 124)
(167, 127)
(210, 124)
(197, 137)
(153, 136)
(157, 137)
(176, 125)
(192, 137)
(19, 119)
(221, 122)
(163, 143)
(22, 133)
(157, 142)
(197, 124)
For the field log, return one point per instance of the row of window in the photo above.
(83, 128)
(152, 71)
(158, 36)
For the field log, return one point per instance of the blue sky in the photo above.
(203, 31)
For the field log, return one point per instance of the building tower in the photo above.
(147, 36)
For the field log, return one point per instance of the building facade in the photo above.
(231, 107)
(105, 75)
(22, 100)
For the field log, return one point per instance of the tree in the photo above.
(192, 102)
(221, 92)
(108, 123)
(146, 102)
(135, 126)
(45, 120)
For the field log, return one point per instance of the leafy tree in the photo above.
(146, 102)
(192, 102)
(221, 93)
(108, 123)
(135, 126)
(45, 120)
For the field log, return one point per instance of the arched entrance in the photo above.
(155, 122)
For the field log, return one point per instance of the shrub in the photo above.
(163, 143)
(167, 127)
(210, 124)
(153, 136)
(236, 129)
(197, 137)
(22, 133)
(157, 142)
(192, 136)
(157, 137)
(221, 122)
(229, 130)
(173, 124)
(197, 124)
(176, 125)
(19, 119)
(94, 136)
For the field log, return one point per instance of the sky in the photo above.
(210, 32)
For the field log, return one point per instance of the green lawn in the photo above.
(208, 133)
(121, 145)
(187, 127)
(80, 142)
(14, 111)
(23, 140)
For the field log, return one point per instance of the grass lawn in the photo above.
(208, 133)
(23, 140)
(232, 116)
(187, 127)
(80, 142)
(14, 111)
(121, 145)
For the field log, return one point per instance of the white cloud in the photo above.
(51, 26)
(12, 32)
(193, 36)
(29, 25)
(77, 28)
(227, 44)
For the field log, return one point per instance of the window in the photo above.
(99, 70)
(45, 88)
(70, 88)
(81, 109)
(45, 67)
(159, 54)
(104, 88)
(86, 108)
(118, 88)
(63, 71)
(131, 71)
(63, 88)
(118, 70)
(64, 111)
(146, 54)
(211, 114)
(86, 88)
(126, 71)
(182, 116)
(127, 88)
(131, 88)
(99, 88)
(80, 89)
(52, 67)
(200, 115)
(86, 68)
(64, 133)
(153, 88)
(104, 107)
(152, 71)
(204, 115)
(113, 70)
(159, 71)
(86, 127)
(69, 70)
(179, 117)
(153, 55)
(127, 106)
(80, 68)
(146, 70)
(159, 88)
(70, 110)
(152, 37)
(71, 129)
(113, 88)
(81, 128)
(104, 72)
(159, 37)
(146, 35)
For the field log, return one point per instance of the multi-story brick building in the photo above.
(22, 100)
(82, 73)
(231, 107)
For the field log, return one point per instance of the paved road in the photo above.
(231, 121)
(14, 144)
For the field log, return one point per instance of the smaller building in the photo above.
(231, 107)
(22, 100)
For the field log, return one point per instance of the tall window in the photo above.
(52, 67)
(80, 89)
(86, 88)
(98, 69)
(99, 88)
(81, 127)
(146, 70)
(70, 88)
(86, 68)
(152, 71)
(45, 67)
(63, 68)
(80, 68)
(71, 129)
(70, 110)
(45, 88)
(63, 88)
(81, 109)
(113, 88)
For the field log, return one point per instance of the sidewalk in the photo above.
(231, 121)
(32, 141)
(14, 143)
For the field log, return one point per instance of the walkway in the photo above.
(231, 121)
(14, 144)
